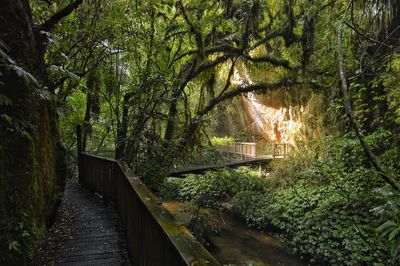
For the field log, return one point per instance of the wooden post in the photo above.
(285, 150)
(79, 150)
(273, 150)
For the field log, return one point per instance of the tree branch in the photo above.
(259, 87)
(276, 61)
(365, 36)
(197, 34)
(228, 79)
(196, 122)
(210, 50)
(49, 24)
(207, 65)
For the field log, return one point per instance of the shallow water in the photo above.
(237, 244)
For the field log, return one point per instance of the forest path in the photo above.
(87, 231)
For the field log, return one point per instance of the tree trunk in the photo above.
(122, 129)
(173, 110)
(32, 168)
(86, 120)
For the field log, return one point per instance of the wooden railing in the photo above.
(152, 236)
(249, 150)
(279, 150)
(246, 150)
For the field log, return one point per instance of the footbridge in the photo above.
(242, 154)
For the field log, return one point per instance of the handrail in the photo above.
(280, 150)
(152, 236)
(245, 149)
(248, 150)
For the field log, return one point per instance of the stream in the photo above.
(237, 244)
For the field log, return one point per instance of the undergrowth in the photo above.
(328, 204)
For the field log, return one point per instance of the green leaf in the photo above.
(14, 245)
(7, 118)
(5, 101)
(383, 227)
(26, 134)
(394, 233)
(25, 75)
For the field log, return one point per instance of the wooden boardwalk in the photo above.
(91, 229)
(204, 168)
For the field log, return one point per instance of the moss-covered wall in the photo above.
(31, 158)
(31, 177)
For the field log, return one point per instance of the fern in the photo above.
(385, 228)
(10, 65)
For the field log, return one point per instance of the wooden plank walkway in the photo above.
(86, 232)
(204, 168)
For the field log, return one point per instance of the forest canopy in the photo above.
(155, 83)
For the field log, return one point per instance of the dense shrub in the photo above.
(327, 208)
(222, 142)
(213, 188)
(320, 222)
(389, 229)
(252, 206)
(169, 190)
(328, 204)
(146, 161)
(329, 227)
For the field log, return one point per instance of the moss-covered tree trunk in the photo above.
(31, 158)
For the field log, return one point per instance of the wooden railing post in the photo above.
(273, 150)
(79, 151)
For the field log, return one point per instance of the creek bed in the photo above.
(238, 244)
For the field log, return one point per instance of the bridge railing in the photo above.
(246, 150)
(250, 150)
(280, 150)
(152, 236)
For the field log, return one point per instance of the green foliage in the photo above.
(213, 188)
(5, 101)
(327, 205)
(389, 228)
(222, 142)
(207, 190)
(152, 160)
(8, 64)
(329, 227)
(392, 88)
(131, 69)
(170, 188)
(73, 113)
(323, 202)
(251, 206)
(22, 236)
(285, 173)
